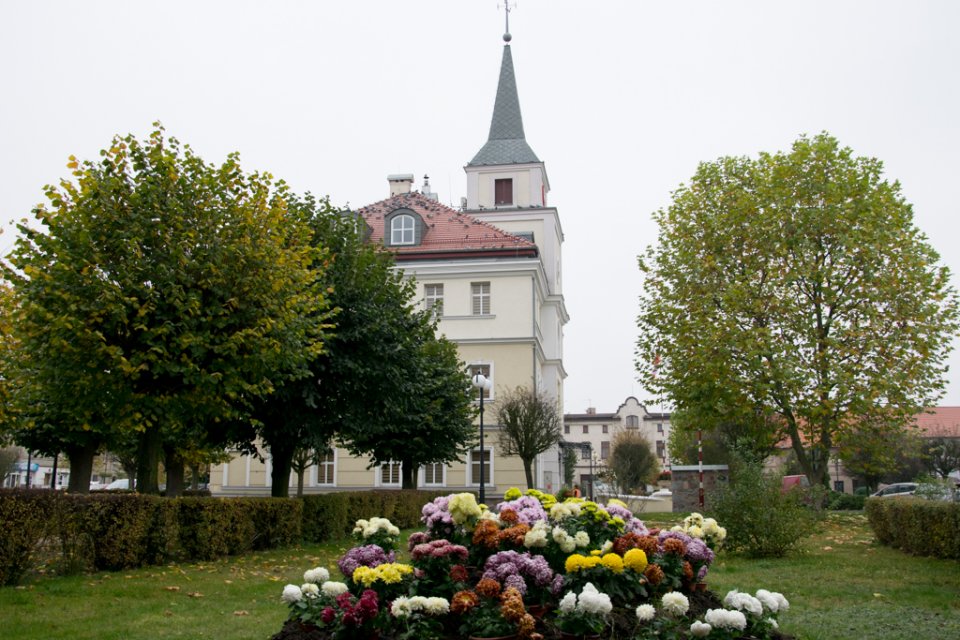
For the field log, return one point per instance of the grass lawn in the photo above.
(843, 587)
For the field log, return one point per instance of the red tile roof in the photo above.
(447, 233)
(944, 422)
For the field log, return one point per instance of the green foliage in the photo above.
(159, 296)
(941, 455)
(760, 519)
(632, 463)
(570, 459)
(127, 530)
(795, 289)
(530, 423)
(917, 526)
(25, 514)
(331, 516)
(845, 502)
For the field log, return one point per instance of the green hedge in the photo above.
(115, 531)
(917, 526)
(330, 516)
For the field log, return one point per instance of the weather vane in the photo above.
(506, 11)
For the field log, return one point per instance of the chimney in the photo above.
(400, 183)
(591, 411)
(426, 189)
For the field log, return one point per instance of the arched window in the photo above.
(402, 230)
(633, 422)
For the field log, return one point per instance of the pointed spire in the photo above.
(506, 144)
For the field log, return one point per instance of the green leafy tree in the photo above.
(530, 423)
(796, 285)
(632, 463)
(942, 455)
(754, 437)
(161, 295)
(873, 455)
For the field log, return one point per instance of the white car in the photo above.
(896, 489)
(123, 483)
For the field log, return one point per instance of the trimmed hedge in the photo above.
(917, 526)
(120, 530)
(330, 516)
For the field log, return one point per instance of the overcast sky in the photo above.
(620, 99)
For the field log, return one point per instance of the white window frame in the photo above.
(443, 475)
(315, 478)
(403, 230)
(488, 478)
(480, 301)
(488, 396)
(432, 301)
(378, 474)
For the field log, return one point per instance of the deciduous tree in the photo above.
(530, 423)
(632, 463)
(797, 284)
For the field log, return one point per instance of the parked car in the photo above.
(896, 489)
(790, 482)
(123, 483)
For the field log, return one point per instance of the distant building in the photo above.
(599, 429)
(491, 272)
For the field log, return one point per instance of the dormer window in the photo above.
(503, 191)
(403, 228)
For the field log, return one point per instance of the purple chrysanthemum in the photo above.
(527, 508)
(369, 555)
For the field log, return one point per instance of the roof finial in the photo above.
(506, 34)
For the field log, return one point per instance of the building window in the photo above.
(486, 370)
(402, 230)
(586, 428)
(481, 298)
(566, 429)
(661, 449)
(503, 191)
(604, 430)
(659, 427)
(326, 467)
(433, 299)
(433, 474)
(633, 422)
(585, 451)
(476, 459)
(604, 449)
(390, 474)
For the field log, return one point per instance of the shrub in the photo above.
(124, 530)
(332, 515)
(761, 520)
(845, 502)
(278, 522)
(26, 516)
(215, 527)
(922, 527)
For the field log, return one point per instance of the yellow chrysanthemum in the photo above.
(573, 563)
(636, 560)
(613, 562)
(596, 552)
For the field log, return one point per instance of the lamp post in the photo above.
(481, 383)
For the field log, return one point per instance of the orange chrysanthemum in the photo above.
(515, 534)
(486, 533)
(511, 607)
(687, 570)
(463, 601)
(648, 544)
(488, 588)
(654, 574)
(509, 516)
(626, 542)
(527, 626)
(674, 546)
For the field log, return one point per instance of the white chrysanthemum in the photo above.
(333, 589)
(784, 605)
(674, 604)
(695, 532)
(316, 576)
(592, 601)
(401, 607)
(360, 525)
(710, 526)
(291, 594)
(743, 602)
(677, 528)
(569, 602)
(436, 606)
(646, 612)
(721, 534)
(310, 590)
(574, 508)
(490, 515)
(726, 619)
(767, 599)
(694, 519)
(607, 547)
(560, 512)
(773, 623)
(582, 538)
(537, 536)
(700, 629)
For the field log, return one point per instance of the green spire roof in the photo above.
(506, 144)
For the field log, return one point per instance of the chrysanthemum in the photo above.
(646, 612)
(675, 604)
(700, 629)
(291, 594)
(613, 562)
(636, 560)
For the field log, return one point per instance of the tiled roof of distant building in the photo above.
(446, 233)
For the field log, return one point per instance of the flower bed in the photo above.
(533, 568)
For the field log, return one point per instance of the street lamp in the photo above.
(481, 383)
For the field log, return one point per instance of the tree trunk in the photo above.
(528, 472)
(195, 477)
(408, 474)
(148, 461)
(300, 473)
(81, 467)
(175, 472)
(282, 460)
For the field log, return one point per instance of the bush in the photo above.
(329, 516)
(922, 527)
(215, 527)
(127, 530)
(277, 522)
(761, 520)
(845, 502)
(26, 517)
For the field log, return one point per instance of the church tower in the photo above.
(507, 186)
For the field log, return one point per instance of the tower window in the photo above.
(503, 191)
(402, 230)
